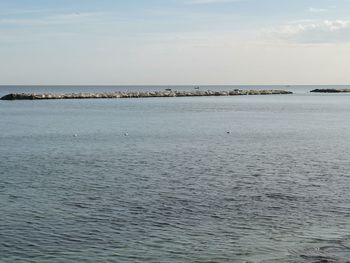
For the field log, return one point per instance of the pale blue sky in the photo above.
(174, 42)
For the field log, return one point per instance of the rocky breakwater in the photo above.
(330, 90)
(136, 94)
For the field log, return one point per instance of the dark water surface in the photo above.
(178, 187)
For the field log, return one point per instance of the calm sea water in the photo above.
(161, 180)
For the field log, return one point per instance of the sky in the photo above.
(174, 42)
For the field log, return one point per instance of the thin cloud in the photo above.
(199, 2)
(337, 31)
(59, 19)
(18, 12)
(317, 10)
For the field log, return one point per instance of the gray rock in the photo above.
(236, 92)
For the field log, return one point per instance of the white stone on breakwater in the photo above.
(133, 94)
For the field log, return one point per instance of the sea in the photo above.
(258, 179)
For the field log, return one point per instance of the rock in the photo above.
(9, 97)
(46, 96)
(330, 90)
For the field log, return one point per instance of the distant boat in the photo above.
(168, 89)
(196, 87)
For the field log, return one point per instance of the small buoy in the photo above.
(228, 132)
(75, 135)
(126, 134)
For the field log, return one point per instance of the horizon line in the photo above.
(161, 85)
